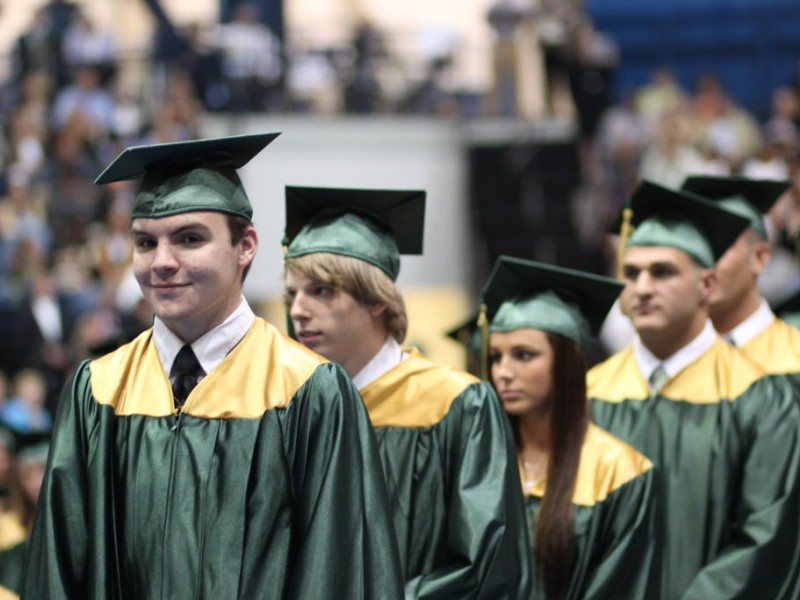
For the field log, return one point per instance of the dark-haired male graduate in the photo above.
(444, 440)
(738, 311)
(725, 437)
(211, 457)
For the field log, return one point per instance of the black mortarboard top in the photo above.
(372, 225)
(30, 446)
(521, 293)
(465, 332)
(750, 198)
(187, 176)
(680, 219)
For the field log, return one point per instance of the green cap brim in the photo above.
(750, 198)
(375, 226)
(683, 220)
(526, 294)
(194, 175)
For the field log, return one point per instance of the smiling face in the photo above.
(189, 271)
(332, 322)
(666, 296)
(522, 370)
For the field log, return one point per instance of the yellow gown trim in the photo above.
(776, 349)
(722, 372)
(7, 594)
(11, 530)
(414, 393)
(263, 371)
(606, 464)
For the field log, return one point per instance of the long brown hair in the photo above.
(555, 524)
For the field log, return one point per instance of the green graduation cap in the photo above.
(195, 175)
(680, 219)
(526, 294)
(375, 226)
(750, 198)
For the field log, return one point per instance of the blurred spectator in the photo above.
(434, 94)
(12, 530)
(313, 82)
(363, 93)
(30, 122)
(661, 95)
(183, 104)
(251, 60)
(87, 99)
(768, 163)
(719, 126)
(42, 325)
(23, 221)
(671, 156)
(595, 58)
(29, 466)
(621, 140)
(85, 44)
(37, 49)
(110, 243)
(518, 89)
(25, 409)
(6, 458)
(196, 59)
(73, 201)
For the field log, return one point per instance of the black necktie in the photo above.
(186, 372)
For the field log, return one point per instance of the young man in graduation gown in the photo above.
(444, 441)
(212, 457)
(725, 438)
(738, 311)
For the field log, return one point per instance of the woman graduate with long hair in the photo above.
(590, 498)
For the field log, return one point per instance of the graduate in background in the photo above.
(725, 437)
(468, 335)
(211, 457)
(444, 441)
(28, 468)
(738, 311)
(591, 499)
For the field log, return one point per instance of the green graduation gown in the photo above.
(726, 440)
(451, 473)
(266, 486)
(616, 549)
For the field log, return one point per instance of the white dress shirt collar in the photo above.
(211, 347)
(752, 326)
(389, 356)
(649, 362)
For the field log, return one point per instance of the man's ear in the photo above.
(249, 245)
(376, 310)
(762, 252)
(708, 283)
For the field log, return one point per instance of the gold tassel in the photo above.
(483, 327)
(624, 234)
